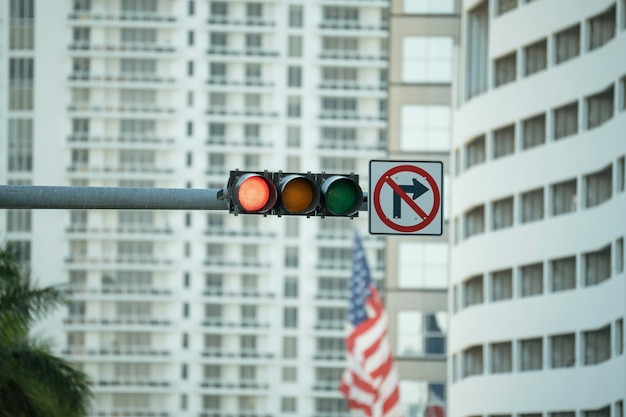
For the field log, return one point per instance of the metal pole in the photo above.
(53, 197)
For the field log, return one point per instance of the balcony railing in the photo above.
(248, 82)
(241, 354)
(257, 52)
(129, 412)
(351, 85)
(220, 322)
(121, 169)
(121, 108)
(123, 138)
(134, 382)
(350, 145)
(115, 351)
(249, 112)
(332, 295)
(121, 47)
(245, 142)
(352, 55)
(126, 77)
(352, 25)
(241, 384)
(330, 355)
(124, 15)
(75, 289)
(330, 325)
(119, 320)
(234, 21)
(351, 115)
(219, 292)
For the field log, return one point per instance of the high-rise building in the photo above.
(538, 291)
(178, 313)
(423, 39)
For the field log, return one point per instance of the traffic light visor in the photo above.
(298, 194)
(341, 195)
(254, 193)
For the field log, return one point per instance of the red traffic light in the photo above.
(253, 193)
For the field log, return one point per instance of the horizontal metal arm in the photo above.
(53, 197)
(121, 198)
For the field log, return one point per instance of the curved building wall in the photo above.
(538, 292)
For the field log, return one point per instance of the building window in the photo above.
(425, 128)
(477, 49)
(288, 404)
(619, 255)
(502, 213)
(294, 46)
(417, 396)
(19, 220)
(293, 136)
(564, 196)
(620, 177)
(598, 187)
(427, 59)
(505, 69)
(531, 280)
(502, 285)
(503, 141)
(473, 291)
(598, 266)
(501, 357)
(531, 354)
(535, 57)
(290, 347)
(475, 152)
(21, 28)
(601, 412)
(599, 108)
(293, 107)
(421, 334)
(289, 374)
(294, 76)
(290, 289)
(563, 274)
(472, 361)
(21, 80)
(474, 221)
(20, 145)
(534, 131)
(563, 350)
(21, 249)
(290, 317)
(565, 121)
(296, 16)
(619, 336)
(601, 28)
(428, 6)
(567, 44)
(505, 6)
(422, 265)
(532, 205)
(597, 345)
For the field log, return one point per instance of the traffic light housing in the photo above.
(294, 194)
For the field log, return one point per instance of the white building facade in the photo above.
(538, 291)
(179, 313)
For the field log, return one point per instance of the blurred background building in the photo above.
(423, 41)
(538, 296)
(193, 313)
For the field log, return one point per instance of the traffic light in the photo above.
(297, 194)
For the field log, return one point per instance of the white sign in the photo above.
(405, 197)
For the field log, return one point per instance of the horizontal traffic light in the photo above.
(298, 194)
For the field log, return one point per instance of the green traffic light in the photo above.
(341, 197)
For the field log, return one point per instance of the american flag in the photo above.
(370, 383)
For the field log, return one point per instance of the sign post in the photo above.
(406, 197)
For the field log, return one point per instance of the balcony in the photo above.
(241, 413)
(129, 229)
(154, 80)
(120, 170)
(245, 83)
(353, 25)
(245, 144)
(121, 108)
(116, 351)
(244, 113)
(116, 289)
(350, 145)
(348, 55)
(230, 21)
(330, 325)
(142, 260)
(353, 86)
(330, 355)
(326, 386)
(209, 352)
(122, 48)
(248, 52)
(122, 140)
(129, 412)
(230, 294)
(332, 295)
(119, 320)
(147, 382)
(121, 16)
(236, 385)
(351, 115)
